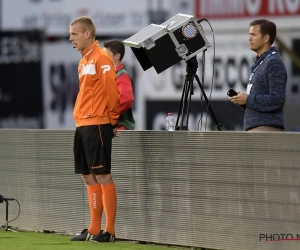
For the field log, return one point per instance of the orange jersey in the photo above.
(98, 97)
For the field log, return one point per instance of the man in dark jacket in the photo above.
(266, 90)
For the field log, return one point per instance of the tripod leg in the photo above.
(180, 106)
(190, 93)
(6, 216)
(184, 107)
(207, 103)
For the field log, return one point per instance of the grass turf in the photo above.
(44, 241)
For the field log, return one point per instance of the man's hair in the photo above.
(115, 46)
(267, 27)
(86, 23)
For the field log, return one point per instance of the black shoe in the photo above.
(83, 236)
(104, 236)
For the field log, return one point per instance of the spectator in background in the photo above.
(96, 114)
(116, 49)
(266, 90)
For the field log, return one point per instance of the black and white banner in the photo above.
(21, 99)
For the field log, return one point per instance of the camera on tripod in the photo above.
(6, 227)
(161, 46)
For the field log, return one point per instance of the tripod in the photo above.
(188, 91)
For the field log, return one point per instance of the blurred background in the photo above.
(38, 66)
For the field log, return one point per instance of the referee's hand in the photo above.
(115, 132)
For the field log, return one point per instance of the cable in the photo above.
(201, 95)
(213, 70)
(18, 212)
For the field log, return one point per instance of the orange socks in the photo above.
(110, 206)
(96, 208)
(97, 203)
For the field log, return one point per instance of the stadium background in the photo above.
(242, 185)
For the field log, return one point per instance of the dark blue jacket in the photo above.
(266, 99)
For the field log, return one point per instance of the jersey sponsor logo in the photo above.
(105, 68)
(88, 69)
